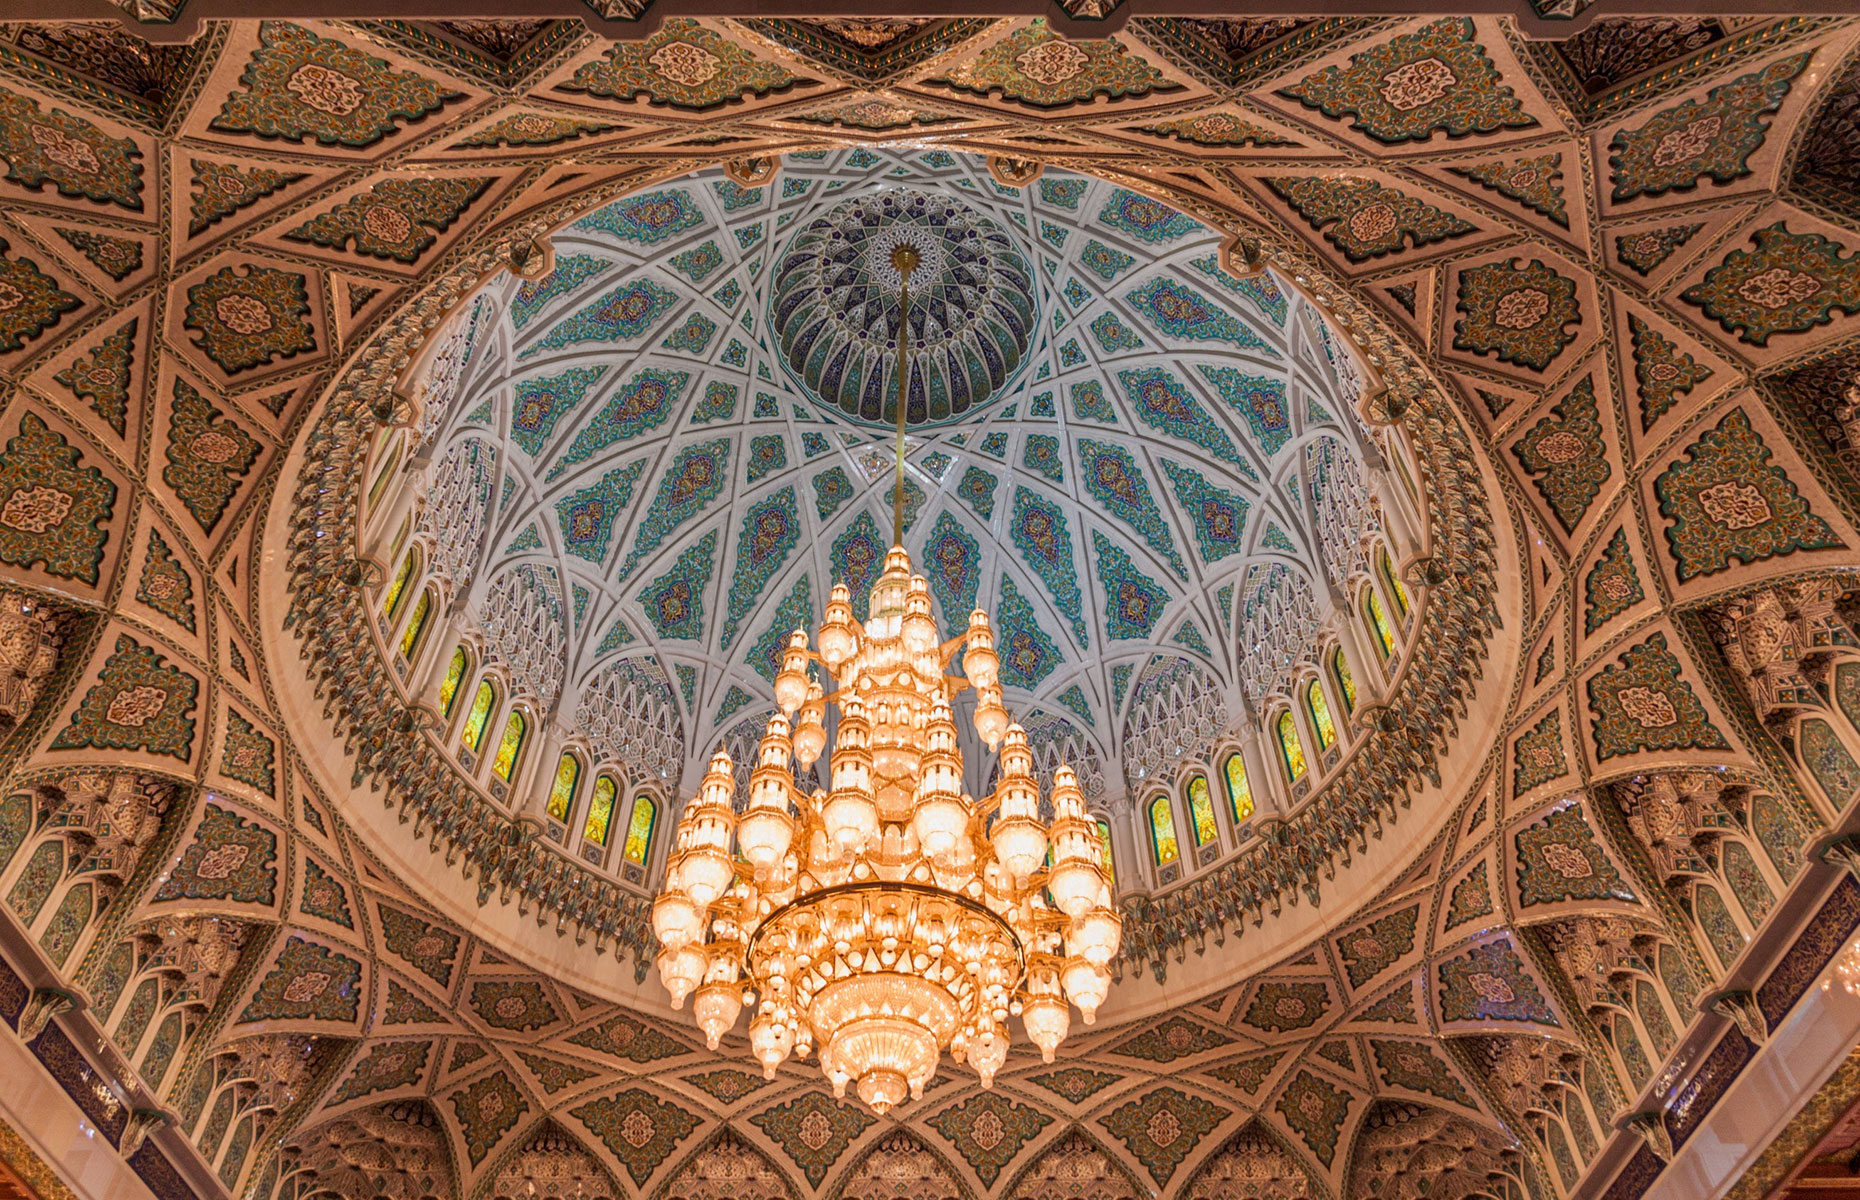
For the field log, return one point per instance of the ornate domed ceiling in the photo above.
(655, 464)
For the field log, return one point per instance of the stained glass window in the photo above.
(601, 810)
(1201, 810)
(1346, 683)
(1162, 832)
(449, 686)
(416, 625)
(1319, 711)
(386, 473)
(1378, 624)
(1104, 853)
(397, 591)
(639, 829)
(562, 794)
(515, 730)
(479, 717)
(1239, 791)
(1396, 591)
(1290, 748)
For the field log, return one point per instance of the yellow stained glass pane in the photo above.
(1239, 791)
(1346, 682)
(1162, 832)
(478, 717)
(397, 591)
(601, 810)
(1201, 810)
(1396, 591)
(562, 794)
(1104, 852)
(505, 765)
(1291, 748)
(639, 829)
(1320, 716)
(449, 686)
(1378, 624)
(416, 625)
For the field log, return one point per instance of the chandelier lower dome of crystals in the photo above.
(891, 916)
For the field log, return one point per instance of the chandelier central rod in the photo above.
(905, 258)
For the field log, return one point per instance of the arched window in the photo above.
(386, 473)
(516, 729)
(449, 686)
(1319, 712)
(480, 715)
(639, 829)
(1291, 750)
(562, 792)
(1239, 791)
(601, 809)
(1201, 809)
(397, 591)
(1346, 683)
(1104, 853)
(1162, 832)
(1378, 624)
(1397, 593)
(416, 625)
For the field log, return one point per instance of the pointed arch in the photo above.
(726, 1166)
(900, 1166)
(548, 1160)
(1255, 1163)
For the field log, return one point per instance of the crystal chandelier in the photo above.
(890, 916)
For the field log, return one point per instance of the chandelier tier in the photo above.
(890, 916)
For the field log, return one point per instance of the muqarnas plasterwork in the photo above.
(1490, 983)
(30, 300)
(248, 315)
(52, 510)
(989, 1130)
(1037, 67)
(1567, 455)
(1725, 501)
(813, 1131)
(1790, 282)
(1315, 1109)
(1412, 86)
(1519, 313)
(102, 376)
(1641, 703)
(1379, 945)
(1612, 586)
(1713, 138)
(139, 702)
(684, 65)
(1560, 860)
(298, 85)
(230, 858)
(487, 1109)
(1537, 756)
(396, 219)
(1163, 1128)
(1366, 219)
(71, 154)
(308, 982)
(208, 455)
(1662, 371)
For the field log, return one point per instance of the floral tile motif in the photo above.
(553, 1074)
(119, 258)
(1040, 453)
(1521, 314)
(643, 403)
(621, 1036)
(248, 755)
(139, 702)
(31, 301)
(697, 476)
(625, 314)
(767, 454)
(518, 1004)
(1211, 129)
(1219, 516)
(1790, 282)
(1470, 899)
(386, 1066)
(586, 517)
(103, 375)
(533, 129)
(1164, 404)
(541, 403)
(674, 602)
(1103, 261)
(220, 190)
(1645, 251)
(685, 65)
(1489, 983)
(813, 1131)
(464, 1054)
(1377, 946)
(727, 1086)
(952, 559)
(1725, 500)
(52, 509)
(571, 271)
(1163, 1128)
(396, 219)
(1028, 655)
(832, 489)
(693, 337)
(405, 1008)
(1559, 859)
(1612, 586)
(1315, 1109)
(1396, 1008)
(977, 489)
(247, 316)
(796, 611)
(208, 455)
(1363, 218)
(988, 1131)
(1044, 539)
(1147, 220)
(230, 858)
(1640, 703)
(1185, 314)
(1075, 1084)
(1282, 1007)
(1248, 1074)
(1412, 86)
(308, 982)
(859, 555)
(324, 896)
(1567, 455)
(1116, 482)
(1712, 138)
(299, 86)
(69, 153)
(1133, 602)
(487, 1109)
(1416, 1067)
(1260, 401)
(1537, 757)
(1535, 183)
(429, 949)
(771, 529)
(1662, 371)
(1037, 67)
(1172, 1038)
(165, 585)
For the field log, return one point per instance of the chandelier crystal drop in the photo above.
(890, 916)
